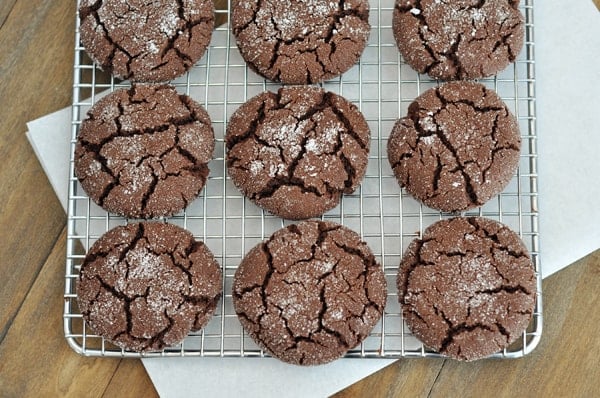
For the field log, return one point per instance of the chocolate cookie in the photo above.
(143, 152)
(146, 41)
(467, 287)
(144, 286)
(458, 147)
(461, 39)
(295, 152)
(300, 41)
(309, 293)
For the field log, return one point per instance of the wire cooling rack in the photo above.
(383, 86)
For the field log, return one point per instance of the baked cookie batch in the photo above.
(313, 290)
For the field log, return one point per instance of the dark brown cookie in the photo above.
(467, 287)
(296, 151)
(458, 147)
(145, 286)
(309, 293)
(143, 152)
(300, 41)
(146, 41)
(460, 39)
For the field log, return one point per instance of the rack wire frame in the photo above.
(382, 85)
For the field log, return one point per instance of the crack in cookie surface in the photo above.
(458, 147)
(144, 286)
(301, 41)
(143, 152)
(464, 39)
(146, 41)
(310, 292)
(295, 152)
(468, 288)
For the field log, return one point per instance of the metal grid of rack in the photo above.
(383, 86)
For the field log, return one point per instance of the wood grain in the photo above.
(5, 9)
(36, 56)
(34, 80)
(36, 358)
(415, 376)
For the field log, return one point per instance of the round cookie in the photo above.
(296, 151)
(300, 41)
(146, 41)
(145, 286)
(467, 287)
(458, 147)
(461, 39)
(143, 152)
(309, 293)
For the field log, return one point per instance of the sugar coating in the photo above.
(143, 152)
(146, 41)
(467, 287)
(458, 39)
(309, 293)
(300, 41)
(457, 148)
(145, 286)
(295, 152)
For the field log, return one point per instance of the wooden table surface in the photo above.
(36, 58)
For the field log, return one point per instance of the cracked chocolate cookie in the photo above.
(145, 286)
(460, 39)
(458, 147)
(146, 41)
(300, 41)
(309, 293)
(467, 287)
(143, 152)
(296, 151)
